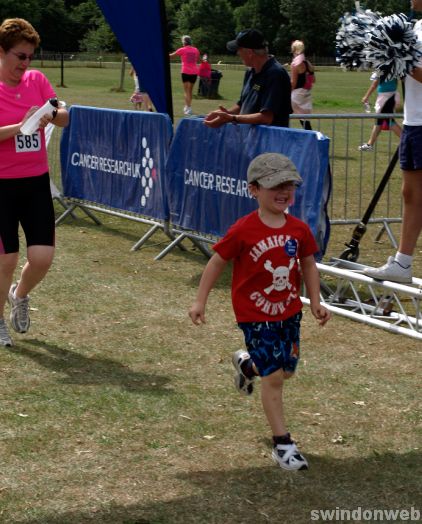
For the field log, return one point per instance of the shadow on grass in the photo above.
(121, 227)
(252, 495)
(84, 370)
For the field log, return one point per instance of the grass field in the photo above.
(117, 410)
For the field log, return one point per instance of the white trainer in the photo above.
(243, 384)
(366, 147)
(5, 339)
(392, 271)
(287, 456)
(19, 316)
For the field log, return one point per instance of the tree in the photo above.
(96, 35)
(28, 9)
(210, 24)
(64, 40)
(264, 15)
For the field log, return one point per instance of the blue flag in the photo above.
(140, 27)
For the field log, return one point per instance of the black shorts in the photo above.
(189, 78)
(388, 107)
(411, 148)
(28, 202)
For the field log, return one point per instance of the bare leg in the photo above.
(147, 101)
(412, 216)
(376, 130)
(188, 88)
(396, 129)
(8, 265)
(272, 401)
(39, 260)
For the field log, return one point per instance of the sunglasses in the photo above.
(22, 56)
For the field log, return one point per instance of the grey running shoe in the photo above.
(5, 339)
(243, 383)
(392, 271)
(19, 316)
(287, 456)
(366, 147)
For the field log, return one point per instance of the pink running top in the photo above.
(23, 155)
(190, 56)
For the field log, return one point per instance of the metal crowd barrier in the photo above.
(345, 290)
(356, 174)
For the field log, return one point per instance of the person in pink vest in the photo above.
(189, 56)
(25, 195)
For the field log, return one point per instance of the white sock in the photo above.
(404, 260)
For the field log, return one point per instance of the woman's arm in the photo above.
(61, 119)
(293, 76)
(371, 89)
(9, 131)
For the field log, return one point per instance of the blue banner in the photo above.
(117, 158)
(140, 27)
(206, 184)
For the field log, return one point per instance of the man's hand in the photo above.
(218, 117)
(197, 313)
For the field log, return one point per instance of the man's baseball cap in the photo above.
(273, 169)
(249, 38)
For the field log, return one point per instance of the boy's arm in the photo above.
(311, 278)
(212, 271)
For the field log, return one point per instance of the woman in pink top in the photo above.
(190, 56)
(25, 196)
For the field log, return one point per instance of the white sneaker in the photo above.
(287, 456)
(243, 384)
(366, 147)
(19, 316)
(5, 339)
(187, 110)
(392, 271)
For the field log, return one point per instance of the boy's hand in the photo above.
(197, 313)
(322, 314)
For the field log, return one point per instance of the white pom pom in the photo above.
(352, 37)
(393, 48)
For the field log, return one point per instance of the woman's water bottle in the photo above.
(367, 107)
(32, 124)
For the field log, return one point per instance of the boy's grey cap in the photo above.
(272, 169)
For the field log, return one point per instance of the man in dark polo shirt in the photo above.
(265, 96)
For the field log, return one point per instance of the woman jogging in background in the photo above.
(189, 56)
(25, 196)
(388, 98)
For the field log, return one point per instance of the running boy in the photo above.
(266, 247)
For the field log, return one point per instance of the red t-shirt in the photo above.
(266, 275)
(204, 70)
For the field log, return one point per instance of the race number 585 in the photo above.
(26, 143)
